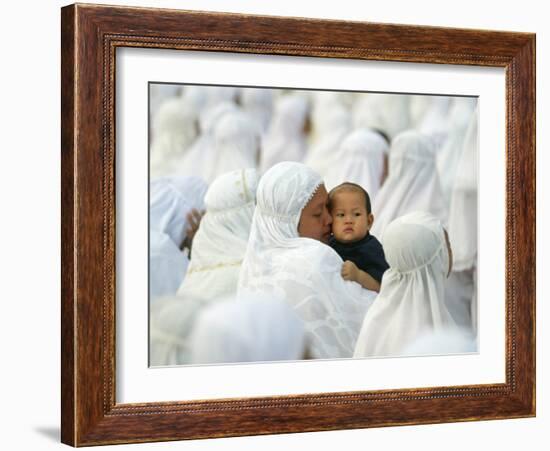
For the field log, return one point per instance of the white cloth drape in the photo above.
(332, 123)
(167, 265)
(174, 129)
(171, 321)
(388, 113)
(412, 183)
(170, 199)
(201, 155)
(463, 212)
(461, 296)
(220, 243)
(235, 144)
(411, 299)
(247, 330)
(301, 271)
(258, 103)
(361, 161)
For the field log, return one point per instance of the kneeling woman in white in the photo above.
(411, 299)
(220, 243)
(286, 259)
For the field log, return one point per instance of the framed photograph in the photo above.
(132, 371)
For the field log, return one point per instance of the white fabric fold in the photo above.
(247, 330)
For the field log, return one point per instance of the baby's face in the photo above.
(350, 221)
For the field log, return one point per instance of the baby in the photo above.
(364, 260)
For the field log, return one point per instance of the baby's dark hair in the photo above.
(349, 186)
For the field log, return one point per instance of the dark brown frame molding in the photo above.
(90, 35)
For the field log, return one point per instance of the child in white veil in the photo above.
(411, 299)
(286, 260)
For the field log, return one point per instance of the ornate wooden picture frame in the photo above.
(90, 36)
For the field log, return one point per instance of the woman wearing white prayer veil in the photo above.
(247, 330)
(236, 146)
(387, 113)
(174, 129)
(199, 157)
(412, 183)
(220, 242)
(411, 299)
(287, 259)
(461, 297)
(171, 199)
(258, 103)
(360, 160)
(286, 138)
(332, 123)
(448, 156)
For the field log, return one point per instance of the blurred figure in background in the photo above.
(286, 136)
(412, 183)
(247, 330)
(220, 242)
(171, 200)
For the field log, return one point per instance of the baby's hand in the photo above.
(350, 271)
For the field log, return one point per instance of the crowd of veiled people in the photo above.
(289, 225)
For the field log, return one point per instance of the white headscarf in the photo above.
(258, 103)
(360, 160)
(159, 93)
(170, 199)
(412, 183)
(448, 156)
(331, 122)
(235, 145)
(435, 121)
(247, 330)
(302, 271)
(174, 128)
(285, 139)
(220, 243)
(196, 96)
(388, 113)
(411, 298)
(202, 153)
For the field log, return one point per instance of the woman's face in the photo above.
(315, 219)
